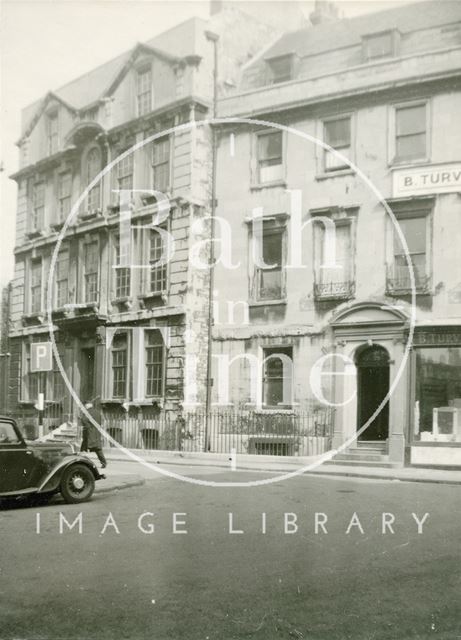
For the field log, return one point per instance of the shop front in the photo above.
(436, 396)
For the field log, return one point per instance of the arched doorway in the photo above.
(373, 378)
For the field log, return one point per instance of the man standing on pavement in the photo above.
(91, 440)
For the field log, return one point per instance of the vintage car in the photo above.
(41, 469)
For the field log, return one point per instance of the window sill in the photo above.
(33, 235)
(90, 215)
(33, 318)
(125, 301)
(408, 164)
(267, 185)
(325, 175)
(267, 303)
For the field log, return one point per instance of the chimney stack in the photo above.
(324, 11)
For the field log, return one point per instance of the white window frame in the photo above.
(255, 169)
(393, 160)
(322, 151)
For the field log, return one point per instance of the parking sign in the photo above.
(41, 357)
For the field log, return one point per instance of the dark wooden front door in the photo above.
(372, 387)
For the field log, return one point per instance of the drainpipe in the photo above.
(214, 38)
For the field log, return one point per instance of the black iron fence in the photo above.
(262, 433)
(283, 434)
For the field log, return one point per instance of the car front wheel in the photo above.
(77, 484)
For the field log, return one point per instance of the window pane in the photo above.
(412, 146)
(277, 376)
(280, 69)
(154, 363)
(270, 147)
(338, 133)
(410, 120)
(272, 248)
(438, 386)
(270, 284)
(119, 366)
(380, 46)
(414, 231)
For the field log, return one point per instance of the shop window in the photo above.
(154, 363)
(410, 132)
(414, 229)
(334, 283)
(161, 164)
(269, 157)
(438, 393)
(337, 134)
(144, 91)
(269, 279)
(91, 272)
(64, 194)
(280, 69)
(62, 279)
(277, 377)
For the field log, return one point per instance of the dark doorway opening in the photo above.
(87, 391)
(372, 387)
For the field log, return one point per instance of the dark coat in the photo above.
(91, 435)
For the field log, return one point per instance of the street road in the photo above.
(114, 581)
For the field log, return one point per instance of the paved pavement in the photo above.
(190, 464)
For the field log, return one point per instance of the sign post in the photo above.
(41, 359)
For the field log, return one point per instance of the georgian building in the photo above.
(119, 317)
(384, 91)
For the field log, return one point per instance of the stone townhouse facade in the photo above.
(384, 90)
(121, 331)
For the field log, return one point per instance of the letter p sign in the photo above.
(40, 357)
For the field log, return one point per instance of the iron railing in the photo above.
(270, 433)
(334, 290)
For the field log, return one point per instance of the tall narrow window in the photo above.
(144, 91)
(414, 230)
(410, 132)
(270, 163)
(161, 164)
(122, 274)
(91, 272)
(36, 285)
(334, 282)
(93, 169)
(64, 194)
(125, 173)
(337, 134)
(120, 366)
(158, 271)
(154, 354)
(62, 279)
(38, 210)
(53, 133)
(269, 279)
(277, 376)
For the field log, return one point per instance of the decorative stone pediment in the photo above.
(370, 313)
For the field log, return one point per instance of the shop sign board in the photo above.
(426, 180)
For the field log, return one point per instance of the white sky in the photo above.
(47, 43)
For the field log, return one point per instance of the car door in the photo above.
(17, 462)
